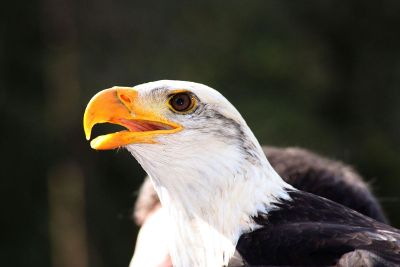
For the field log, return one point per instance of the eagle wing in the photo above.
(313, 231)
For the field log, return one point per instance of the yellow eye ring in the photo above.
(182, 102)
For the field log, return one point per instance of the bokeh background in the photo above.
(324, 75)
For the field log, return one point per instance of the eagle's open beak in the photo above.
(119, 105)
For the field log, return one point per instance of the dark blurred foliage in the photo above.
(323, 75)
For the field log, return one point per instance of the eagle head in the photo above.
(176, 127)
(207, 167)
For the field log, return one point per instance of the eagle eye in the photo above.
(182, 102)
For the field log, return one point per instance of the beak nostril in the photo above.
(125, 98)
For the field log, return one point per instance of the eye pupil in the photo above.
(181, 102)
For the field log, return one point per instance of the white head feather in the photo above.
(211, 177)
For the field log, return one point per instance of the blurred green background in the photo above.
(324, 75)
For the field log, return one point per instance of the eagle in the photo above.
(218, 189)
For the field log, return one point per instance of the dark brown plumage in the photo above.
(324, 177)
(312, 231)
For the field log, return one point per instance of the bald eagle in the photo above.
(219, 190)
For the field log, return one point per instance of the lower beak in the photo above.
(119, 105)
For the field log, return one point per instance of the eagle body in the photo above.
(218, 189)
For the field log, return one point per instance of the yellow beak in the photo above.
(119, 105)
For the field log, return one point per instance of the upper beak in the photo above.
(119, 105)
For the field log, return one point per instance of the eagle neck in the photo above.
(206, 222)
(211, 191)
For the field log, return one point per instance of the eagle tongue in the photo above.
(144, 125)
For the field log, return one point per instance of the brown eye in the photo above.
(182, 102)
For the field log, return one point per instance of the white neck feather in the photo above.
(217, 219)
(210, 200)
